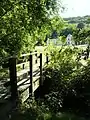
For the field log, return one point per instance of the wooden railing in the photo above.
(26, 74)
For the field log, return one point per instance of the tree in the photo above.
(57, 23)
(88, 21)
(23, 22)
(68, 29)
(81, 36)
(80, 25)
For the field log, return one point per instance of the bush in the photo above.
(67, 81)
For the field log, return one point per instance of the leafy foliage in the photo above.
(67, 81)
(81, 36)
(79, 19)
(80, 25)
(22, 23)
(68, 29)
(39, 111)
(81, 29)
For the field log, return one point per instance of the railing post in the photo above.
(36, 56)
(23, 66)
(47, 58)
(41, 80)
(13, 78)
(31, 75)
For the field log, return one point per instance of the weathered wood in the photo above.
(22, 72)
(13, 78)
(47, 58)
(41, 82)
(25, 55)
(24, 86)
(31, 74)
(36, 73)
(36, 84)
(36, 57)
(21, 64)
(31, 53)
(20, 83)
(36, 78)
(24, 95)
(30, 77)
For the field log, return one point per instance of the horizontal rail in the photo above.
(20, 64)
(29, 76)
(21, 82)
(22, 72)
(23, 55)
(36, 78)
(24, 87)
(32, 53)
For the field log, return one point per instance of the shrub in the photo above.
(67, 81)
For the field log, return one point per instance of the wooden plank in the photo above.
(24, 95)
(36, 73)
(36, 78)
(22, 64)
(36, 85)
(23, 81)
(33, 53)
(47, 59)
(24, 90)
(41, 82)
(31, 75)
(13, 78)
(23, 55)
(36, 59)
(22, 72)
(36, 67)
(24, 86)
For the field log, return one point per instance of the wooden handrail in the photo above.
(31, 75)
(32, 53)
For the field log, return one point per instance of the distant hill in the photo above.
(77, 19)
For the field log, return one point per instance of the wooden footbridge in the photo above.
(25, 74)
(25, 77)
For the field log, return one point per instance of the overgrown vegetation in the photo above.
(66, 89)
(39, 111)
(65, 93)
(67, 81)
(23, 24)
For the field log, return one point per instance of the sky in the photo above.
(76, 8)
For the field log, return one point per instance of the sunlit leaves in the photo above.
(82, 35)
(23, 22)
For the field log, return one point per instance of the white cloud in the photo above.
(76, 8)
